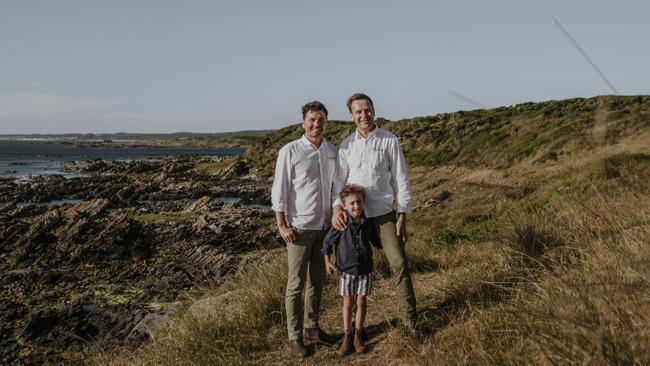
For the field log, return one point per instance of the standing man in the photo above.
(301, 197)
(372, 158)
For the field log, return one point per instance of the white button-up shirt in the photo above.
(302, 187)
(377, 164)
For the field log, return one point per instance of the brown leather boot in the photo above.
(297, 348)
(318, 336)
(359, 345)
(364, 335)
(346, 345)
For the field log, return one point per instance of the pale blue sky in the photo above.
(213, 66)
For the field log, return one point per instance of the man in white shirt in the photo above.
(372, 158)
(301, 198)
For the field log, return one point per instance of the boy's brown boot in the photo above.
(359, 345)
(346, 345)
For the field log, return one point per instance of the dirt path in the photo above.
(381, 325)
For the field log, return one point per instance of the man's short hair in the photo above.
(351, 189)
(359, 96)
(314, 106)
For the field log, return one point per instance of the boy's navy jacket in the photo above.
(353, 256)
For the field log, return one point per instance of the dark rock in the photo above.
(39, 324)
(90, 268)
(202, 204)
(200, 223)
(93, 309)
(51, 277)
(239, 168)
(89, 209)
(18, 272)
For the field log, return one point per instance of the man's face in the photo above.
(362, 114)
(314, 124)
(353, 204)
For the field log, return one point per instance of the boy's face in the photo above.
(353, 204)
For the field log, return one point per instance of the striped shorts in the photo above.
(355, 284)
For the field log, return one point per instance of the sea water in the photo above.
(20, 158)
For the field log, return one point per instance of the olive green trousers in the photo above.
(394, 248)
(306, 271)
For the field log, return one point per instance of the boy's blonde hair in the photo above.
(351, 189)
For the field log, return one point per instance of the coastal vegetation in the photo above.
(528, 246)
(215, 166)
(493, 138)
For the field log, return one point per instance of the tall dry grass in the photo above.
(564, 281)
(245, 315)
(577, 291)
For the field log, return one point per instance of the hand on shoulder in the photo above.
(339, 218)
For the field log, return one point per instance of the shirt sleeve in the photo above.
(281, 181)
(400, 178)
(331, 239)
(340, 175)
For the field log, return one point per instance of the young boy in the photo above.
(354, 260)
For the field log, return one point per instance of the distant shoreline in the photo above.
(134, 135)
(225, 140)
(21, 158)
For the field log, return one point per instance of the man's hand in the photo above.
(286, 232)
(401, 227)
(339, 221)
(329, 267)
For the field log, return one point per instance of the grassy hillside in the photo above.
(494, 138)
(529, 245)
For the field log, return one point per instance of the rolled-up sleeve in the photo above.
(400, 178)
(281, 181)
(340, 175)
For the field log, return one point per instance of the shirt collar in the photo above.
(350, 221)
(371, 134)
(306, 141)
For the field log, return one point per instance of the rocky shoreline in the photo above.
(106, 271)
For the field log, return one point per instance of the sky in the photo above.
(147, 66)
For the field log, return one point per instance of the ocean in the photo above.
(19, 158)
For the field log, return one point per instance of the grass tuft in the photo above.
(242, 317)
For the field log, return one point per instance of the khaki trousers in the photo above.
(306, 270)
(396, 254)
